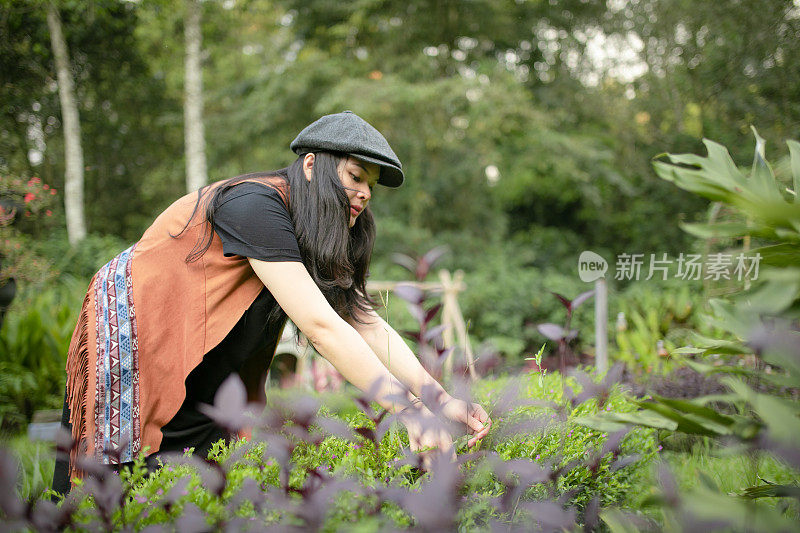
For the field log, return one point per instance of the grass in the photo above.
(729, 470)
(694, 464)
(36, 464)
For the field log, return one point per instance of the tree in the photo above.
(196, 171)
(73, 175)
(714, 69)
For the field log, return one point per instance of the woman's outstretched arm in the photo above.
(398, 358)
(334, 339)
(339, 343)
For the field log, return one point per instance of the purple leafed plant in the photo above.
(305, 495)
(423, 306)
(284, 490)
(564, 335)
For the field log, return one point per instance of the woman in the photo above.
(206, 291)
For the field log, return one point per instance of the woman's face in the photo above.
(358, 178)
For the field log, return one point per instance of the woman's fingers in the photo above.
(475, 425)
(479, 423)
(478, 436)
(483, 417)
(470, 414)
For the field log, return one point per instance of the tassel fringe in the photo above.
(78, 383)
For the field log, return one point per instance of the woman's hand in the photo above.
(426, 431)
(471, 415)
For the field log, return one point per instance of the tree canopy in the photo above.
(513, 119)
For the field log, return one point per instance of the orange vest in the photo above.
(182, 310)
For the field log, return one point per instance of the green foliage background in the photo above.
(457, 88)
(454, 86)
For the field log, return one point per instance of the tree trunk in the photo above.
(73, 175)
(196, 172)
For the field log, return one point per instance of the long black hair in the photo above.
(336, 256)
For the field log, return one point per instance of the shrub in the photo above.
(34, 339)
(761, 322)
(656, 319)
(26, 211)
(83, 259)
(328, 467)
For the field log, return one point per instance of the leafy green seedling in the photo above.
(538, 359)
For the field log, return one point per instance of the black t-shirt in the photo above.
(252, 221)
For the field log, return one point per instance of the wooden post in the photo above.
(448, 335)
(452, 317)
(601, 324)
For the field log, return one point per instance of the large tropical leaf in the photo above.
(696, 409)
(686, 422)
(716, 231)
(794, 153)
(780, 415)
(761, 176)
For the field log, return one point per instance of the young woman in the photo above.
(207, 289)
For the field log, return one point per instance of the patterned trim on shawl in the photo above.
(117, 393)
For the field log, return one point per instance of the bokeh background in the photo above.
(526, 130)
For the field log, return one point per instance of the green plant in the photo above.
(82, 259)
(26, 209)
(564, 335)
(34, 339)
(546, 429)
(36, 464)
(763, 416)
(653, 320)
(506, 297)
(344, 465)
(538, 360)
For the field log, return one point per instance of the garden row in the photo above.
(566, 452)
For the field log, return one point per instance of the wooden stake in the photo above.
(601, 325)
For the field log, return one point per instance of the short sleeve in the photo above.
(252, 221)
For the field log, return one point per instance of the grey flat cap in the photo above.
(349, 133)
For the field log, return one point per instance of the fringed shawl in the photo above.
(147, 319)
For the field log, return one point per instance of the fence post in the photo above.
(448, 335)
(601, 324)
(454, 320)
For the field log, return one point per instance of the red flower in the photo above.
(52, 191)
(48, 213)
(45, 186)
(30, 196)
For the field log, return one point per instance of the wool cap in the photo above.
(349, 133)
